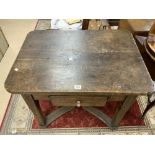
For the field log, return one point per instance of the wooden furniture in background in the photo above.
(146, 50)
(140, 29)
(96, 24)
(79, 68)
(137, 26)
(146, 44)
(113, 22)
(150, 43)
(85, 24)
(150, 64)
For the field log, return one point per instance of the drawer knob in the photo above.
(78, 104)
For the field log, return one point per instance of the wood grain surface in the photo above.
(72, 62)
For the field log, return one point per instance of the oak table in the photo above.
(79, 68)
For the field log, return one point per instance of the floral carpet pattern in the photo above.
(19, 119)
(79, 118)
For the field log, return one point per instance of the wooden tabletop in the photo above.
(64, 62)
(137, 26)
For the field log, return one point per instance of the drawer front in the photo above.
(116, 98)
(47, 96)
(78, 100)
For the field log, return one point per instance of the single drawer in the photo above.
(116, 98)
(78, 100)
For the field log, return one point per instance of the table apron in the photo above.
(84, 100)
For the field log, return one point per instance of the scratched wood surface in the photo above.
(72, 62)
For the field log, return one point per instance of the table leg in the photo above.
(122, 111)
(35, 108)
(148, 107)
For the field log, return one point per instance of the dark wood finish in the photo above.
(79, 65)
(137, 26)
(35, 108)
(150, 103)
(113, 22)
(116, 98)
(55, 61)
(148, 107)
(122, 111)
(47, 96)
(85, 24)
(150, 43)
(149, 50)
(78, 100)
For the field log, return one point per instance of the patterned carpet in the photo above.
(19, 119)
(79, 118)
